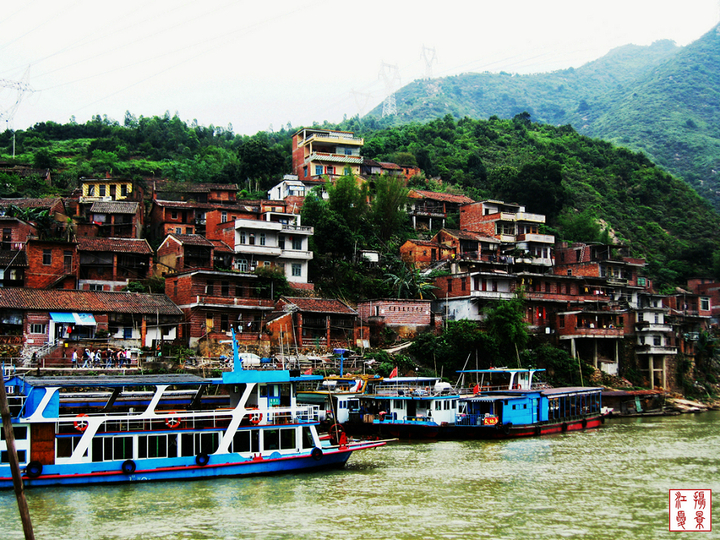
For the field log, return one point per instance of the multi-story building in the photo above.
(319, 153)
(110, 264)
(214, 302)
(277, 240)
(429, 210)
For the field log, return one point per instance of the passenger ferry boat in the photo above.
(246, 423)
(503, 403)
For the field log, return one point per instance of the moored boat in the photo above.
(247, 422)
(503, 403)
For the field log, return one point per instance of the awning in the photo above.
(62, 317)
(81, 319)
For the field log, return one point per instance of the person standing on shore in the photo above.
(74, 358)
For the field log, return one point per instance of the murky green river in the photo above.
(611, 483)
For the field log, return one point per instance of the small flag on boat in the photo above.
(476, 389)
(307, 372)
(393, 373)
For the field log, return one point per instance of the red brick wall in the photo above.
(397, 312)
(169, 257)
(39, 275)
(298, 157)
(472, 219)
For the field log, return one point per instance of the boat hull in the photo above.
(217, 466)
(415, 430)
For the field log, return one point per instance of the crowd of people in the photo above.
(103, 358)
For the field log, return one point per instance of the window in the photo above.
(47, 257)
(123, 190)
(347, 171)
(91, 191)
(242, 265)
(101, 190)
(705, 303)
(178, 230)
(38, 329)
(297, 243)
(209, 287)
(296, 270)
(243, 238)
(224, 324)
(262, 238)
(225, 288)
(127, 332)
(318, 170)
(281, 241)
(330, 170)
(657, 341)
(95, 287)
(223, 216)
(173, 214)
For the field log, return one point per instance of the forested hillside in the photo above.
(588, 189)
(661, 100)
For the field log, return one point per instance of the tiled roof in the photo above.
(115, 207)
(195, 188)
(31, 203)
(86, 301)
(390, 166)
(320, 305)
(221, 247)
(116, 245)
(469, 235)
(427, 243)
(446, 197)
(192, 239)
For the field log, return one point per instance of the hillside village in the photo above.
(71, 266)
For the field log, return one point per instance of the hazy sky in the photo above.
(257, 64)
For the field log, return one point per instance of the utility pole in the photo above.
(21, 87)
(14, 464)
(390, 74)
(430, 58)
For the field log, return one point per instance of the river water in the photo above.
(610, 483)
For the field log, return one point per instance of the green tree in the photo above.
(506, 326)
(387, 208)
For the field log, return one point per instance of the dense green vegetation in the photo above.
(589, 190)
(662, 100)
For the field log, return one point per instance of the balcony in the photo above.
(579, 332)
(255, 249)
(645, 326)
(333, 137)
(492, 295)
(293, 254)
(655, 349)
(233, 301)
(297, 229)
(522, 216)
(334, 158)
(538, 238)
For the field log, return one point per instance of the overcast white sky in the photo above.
(256, 64)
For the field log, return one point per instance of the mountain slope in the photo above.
(661, 100)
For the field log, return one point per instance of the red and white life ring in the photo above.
(173, 422)
(256, 418)
(81, 424)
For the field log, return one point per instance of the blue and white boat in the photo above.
(502, 403)
(246, 423)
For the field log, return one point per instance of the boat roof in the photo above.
(501, 370)
(114, 382)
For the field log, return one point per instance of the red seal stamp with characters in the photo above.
(690, 510)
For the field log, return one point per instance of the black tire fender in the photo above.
(202, 459)
(316, 454)
(128, 467)
(33, 469)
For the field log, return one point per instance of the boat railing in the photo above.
(183, 419)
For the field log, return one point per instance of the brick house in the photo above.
(320, 153)
(109, 264)
(52, 264)
(213, 302)
(198, 193)
(404, 318)
(428, 210)
(312, 323)
(117, 219)
(184, 252)
(13, 257)
(46, 318)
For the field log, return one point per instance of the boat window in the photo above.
(21, 455)
(398, 404)
(241, 441)
(208, 442)
(111, 448)
(271, 439)
(287, 439)
(65, 446)
(20, 433)
(307, 438)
